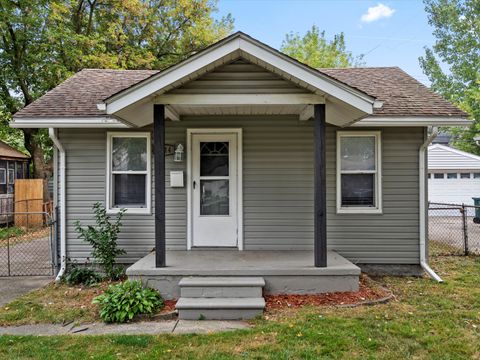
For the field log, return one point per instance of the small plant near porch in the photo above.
(103, 239)
(122, 302)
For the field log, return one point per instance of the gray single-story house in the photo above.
(242, 167)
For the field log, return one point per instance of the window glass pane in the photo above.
(429, 176)
(214, 197)
(451, 175)
(476, 175)
(357, 152)
(129, 154)
(19, 170)
(438, 176)
(11, 176)
(3, 176)
(358, 190)
(465, 176)
(214, 159)
(129, 190)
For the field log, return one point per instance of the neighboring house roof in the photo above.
(441, 157)
(402, 96)
(6, 151)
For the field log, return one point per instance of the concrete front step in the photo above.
(221, 287)
(219, 308)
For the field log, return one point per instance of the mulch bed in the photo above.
(369, 293)
(169, 306)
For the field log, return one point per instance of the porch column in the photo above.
(159, 164)
(320, 191)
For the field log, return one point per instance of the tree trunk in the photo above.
(41, 170)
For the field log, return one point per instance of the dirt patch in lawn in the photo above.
(370, 292)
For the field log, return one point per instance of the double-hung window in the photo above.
(129, 172)
(359, 172)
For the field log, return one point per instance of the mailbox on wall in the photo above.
(176, 179)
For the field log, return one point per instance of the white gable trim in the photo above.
(232, 47)
(455, 151)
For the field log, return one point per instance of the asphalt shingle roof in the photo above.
(401, 94)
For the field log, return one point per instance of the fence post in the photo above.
(8, 247)
(465, 228)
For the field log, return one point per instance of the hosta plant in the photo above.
(123, 301)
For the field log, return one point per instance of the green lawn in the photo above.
(426, 320)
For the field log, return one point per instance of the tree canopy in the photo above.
(43, 42)
(457, 31)
(315, 50)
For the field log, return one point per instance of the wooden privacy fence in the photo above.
(29, 199)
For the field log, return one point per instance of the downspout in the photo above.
(423, 214)
(63, 223)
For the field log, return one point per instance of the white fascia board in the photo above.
(239, 99)
(325, 84)
(412, 121)
(148, 87)
(67, 122)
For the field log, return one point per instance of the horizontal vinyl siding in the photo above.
(278, 191)
(85, 178)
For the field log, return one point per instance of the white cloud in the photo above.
(377, 12)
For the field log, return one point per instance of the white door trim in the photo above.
(239, 134)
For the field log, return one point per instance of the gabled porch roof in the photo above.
(347, 104)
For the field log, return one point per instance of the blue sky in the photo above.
(391, 33)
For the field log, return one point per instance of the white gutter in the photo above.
(423, 214)
(63, 223)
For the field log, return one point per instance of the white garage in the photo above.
(453, 175)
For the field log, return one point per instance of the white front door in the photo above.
(214, 190)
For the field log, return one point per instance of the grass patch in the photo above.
(54, 303)
(9, 232)
(426, 321)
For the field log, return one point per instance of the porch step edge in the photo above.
(217, 281)
(220, 303)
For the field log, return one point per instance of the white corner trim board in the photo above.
(423, 200)
(63, 197)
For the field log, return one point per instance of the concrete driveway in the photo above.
(13, 287)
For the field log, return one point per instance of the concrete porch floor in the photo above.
(285, 272)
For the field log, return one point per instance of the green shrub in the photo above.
(103, 239)
(122, 302)
(81, 275)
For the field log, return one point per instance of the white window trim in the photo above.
(378, 208)
(109, 176)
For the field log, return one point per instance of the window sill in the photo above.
(130, 211)
(359, 211)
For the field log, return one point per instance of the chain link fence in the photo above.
(453, 229)
(27, 242)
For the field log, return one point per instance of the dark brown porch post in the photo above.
(320, 206)
(159, 158)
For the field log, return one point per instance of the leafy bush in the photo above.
(81, 275)
(122, 302)
(103, 239)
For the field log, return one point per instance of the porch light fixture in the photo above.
(178, 156)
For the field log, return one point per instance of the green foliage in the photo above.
(122, 302)
(81, 275)
(457, 32)
(43, 42)
(9, 232)
(315, 50)
(103, 239)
